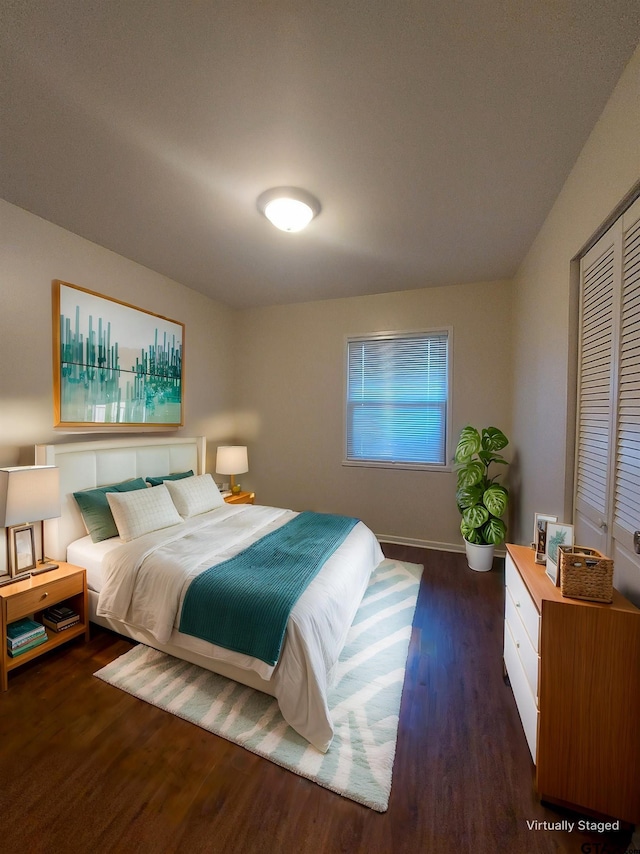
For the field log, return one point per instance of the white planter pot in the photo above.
(479, 558)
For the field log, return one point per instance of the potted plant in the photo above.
(480, 498)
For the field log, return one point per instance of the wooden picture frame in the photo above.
(115, 366)
(540, 522)
(22, 549)
(558, 534)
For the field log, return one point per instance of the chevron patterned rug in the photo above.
(364, 700)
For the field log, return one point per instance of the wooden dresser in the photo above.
(574, 668)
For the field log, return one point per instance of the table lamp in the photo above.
(232, 460)
(27, 494)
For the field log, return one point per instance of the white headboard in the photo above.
(85, 465)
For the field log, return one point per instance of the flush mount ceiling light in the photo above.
(288, 208)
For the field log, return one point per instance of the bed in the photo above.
(137, 587)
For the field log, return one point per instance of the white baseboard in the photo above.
(428, 544)
(421, 544)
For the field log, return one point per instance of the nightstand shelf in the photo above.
(31, 597)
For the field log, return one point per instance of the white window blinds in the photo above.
(397, 398)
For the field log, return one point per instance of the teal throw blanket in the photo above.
(244, 603)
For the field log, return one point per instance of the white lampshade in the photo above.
(29, 494)
(232, 459)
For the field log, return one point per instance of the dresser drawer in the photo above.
(41, 596)
(525, 700)
(523, 602)
(529, 658)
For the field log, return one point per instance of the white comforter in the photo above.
(145, 582)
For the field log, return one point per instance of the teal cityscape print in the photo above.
(118, 364)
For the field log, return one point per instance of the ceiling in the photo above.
(436, 134)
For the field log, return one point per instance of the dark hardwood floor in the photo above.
(85, 767)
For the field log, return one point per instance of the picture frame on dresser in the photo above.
(540, 522)
(558, 534)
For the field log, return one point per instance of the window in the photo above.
(398, 399)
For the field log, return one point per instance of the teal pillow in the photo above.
(95, 509)
(156, 481)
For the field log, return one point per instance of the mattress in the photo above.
(84, 552)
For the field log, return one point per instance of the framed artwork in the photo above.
(22, 549)
(540, 522)
(558, 534)
(114, 365)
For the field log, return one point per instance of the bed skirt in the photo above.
(223, 668)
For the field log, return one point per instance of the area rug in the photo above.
(364, 700)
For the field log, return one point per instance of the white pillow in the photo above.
(140, 512)
(194, 495)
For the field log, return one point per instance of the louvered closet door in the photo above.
(599, 273)
(626, 498)
(607, 490)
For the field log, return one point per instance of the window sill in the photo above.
(374, 464)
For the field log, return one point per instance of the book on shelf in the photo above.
(60, 617)
(23, 630)
(62, 625)
(14, 645)
(58, 613)
(25, 647)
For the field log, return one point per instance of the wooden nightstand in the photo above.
(30, 597)
(241, 498)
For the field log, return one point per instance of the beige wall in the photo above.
(545, 301)
(291, 402)
(273, 377)
(33, 252)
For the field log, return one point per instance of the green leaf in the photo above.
(472, 535)
(469, 444)
(494, 531)
(470, 474)
(493, 439)
(467, 496)
(495, 499)
(489, 457)
(475, 516)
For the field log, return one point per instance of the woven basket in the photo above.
(585, 574)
